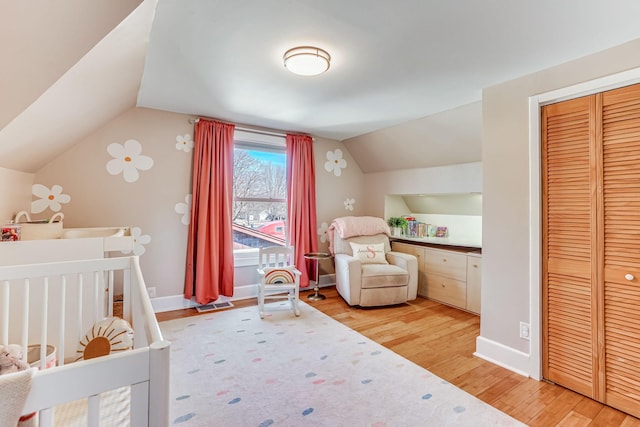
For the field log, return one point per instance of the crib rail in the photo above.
(54, 303)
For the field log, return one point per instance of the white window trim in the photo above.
(249, 257)
(245, 257)
(259, 138)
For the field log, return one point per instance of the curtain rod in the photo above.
(257, 131)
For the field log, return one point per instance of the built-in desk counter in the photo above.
(440, 241)
(449, 270)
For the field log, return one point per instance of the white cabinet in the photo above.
(474, 277)
(447, 290)
(418, 252)
(447, 263)
(446, 272)
(451, 276)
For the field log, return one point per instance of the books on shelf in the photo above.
(412, 226)
(416, 228)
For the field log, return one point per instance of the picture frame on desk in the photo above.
(441, 232)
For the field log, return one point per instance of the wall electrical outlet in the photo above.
(152, 293)
(525, 331)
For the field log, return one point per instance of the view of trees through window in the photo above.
(259, 198)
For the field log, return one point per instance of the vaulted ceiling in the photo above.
(403, 74)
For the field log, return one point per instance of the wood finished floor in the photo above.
(442, 339)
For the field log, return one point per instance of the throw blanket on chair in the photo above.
(349, 226)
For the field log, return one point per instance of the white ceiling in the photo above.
(410, 71)
(392, 61)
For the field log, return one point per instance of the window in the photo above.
(259, 193)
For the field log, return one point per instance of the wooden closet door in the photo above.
(621, 189)
(569, 268)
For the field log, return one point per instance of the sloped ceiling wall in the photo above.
(97, 87)
(41, 39)
(450, 137)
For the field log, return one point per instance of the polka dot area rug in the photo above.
(232, 368)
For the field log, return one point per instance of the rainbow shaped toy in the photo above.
(279, 276)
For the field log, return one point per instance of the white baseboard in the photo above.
(501, 355)
(170, 303)
(178, 302)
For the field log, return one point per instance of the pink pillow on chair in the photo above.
(372, 253)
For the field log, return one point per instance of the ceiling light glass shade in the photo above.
(307, 60)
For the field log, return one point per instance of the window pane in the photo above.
(260, 190)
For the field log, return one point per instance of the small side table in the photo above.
(317, 256)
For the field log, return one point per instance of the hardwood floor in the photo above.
(442, 340)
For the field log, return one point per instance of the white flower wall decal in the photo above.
(184, 142)
(323, 232)
(48, 198)
(139, 240)
(335, 163)
(348, 204)
(184, 209)
(128, 160)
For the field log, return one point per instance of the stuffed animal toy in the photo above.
(11, 359)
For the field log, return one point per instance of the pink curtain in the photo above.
(301, 203)
(210, 268)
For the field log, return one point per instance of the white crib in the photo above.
(55, 304)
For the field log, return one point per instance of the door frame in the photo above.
(536, 102)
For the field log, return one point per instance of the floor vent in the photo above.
(214, 306)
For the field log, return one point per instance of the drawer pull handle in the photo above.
(444, 260)
(442, 284)
(475, 265)
(629, 277)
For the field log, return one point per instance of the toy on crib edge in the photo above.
(11, 359)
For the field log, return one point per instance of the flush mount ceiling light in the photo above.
(307, 60)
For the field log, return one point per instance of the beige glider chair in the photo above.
(369, 274)
(279, 279)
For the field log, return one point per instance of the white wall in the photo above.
(101, 199)
(506, 256)
(98, 198)
(15, 193)
(446, 204)
(333, 190)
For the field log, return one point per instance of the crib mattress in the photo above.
(114, 410)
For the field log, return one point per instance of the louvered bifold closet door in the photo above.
(569, 279)
(621, 189)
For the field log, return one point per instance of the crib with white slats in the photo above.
(54, 304)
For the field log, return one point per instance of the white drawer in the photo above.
(446, 290)
(405, 248)
(446, 263)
